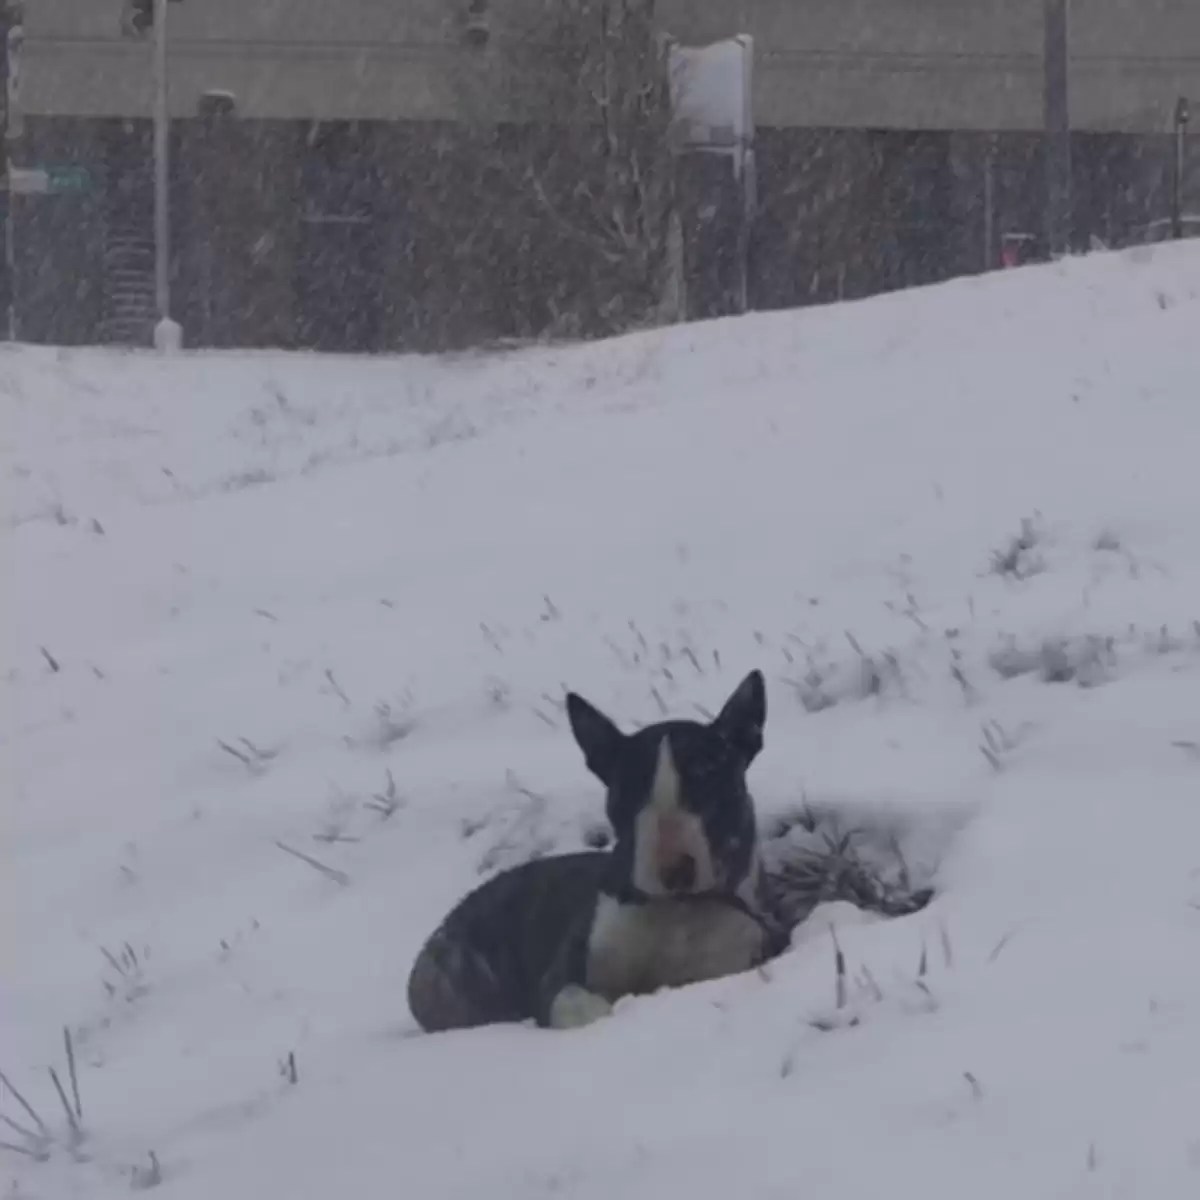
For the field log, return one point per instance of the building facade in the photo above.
(327, 190)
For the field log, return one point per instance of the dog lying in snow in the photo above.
(677, 899)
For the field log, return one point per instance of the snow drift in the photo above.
(265, 600)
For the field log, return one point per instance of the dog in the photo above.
(677, 899)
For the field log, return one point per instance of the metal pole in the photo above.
(1056, 99)
(747, 170)
(989, 204)
(166, 331)
(14, 32)
(1182, 114)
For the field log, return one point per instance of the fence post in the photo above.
(1182, 115)
(1056, 73)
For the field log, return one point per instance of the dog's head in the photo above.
(677, 797)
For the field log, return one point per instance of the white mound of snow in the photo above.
(957, 528)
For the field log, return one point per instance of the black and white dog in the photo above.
(678, 899)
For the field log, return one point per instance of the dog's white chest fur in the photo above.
(638, 948)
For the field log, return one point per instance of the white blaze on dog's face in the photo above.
(671, 851)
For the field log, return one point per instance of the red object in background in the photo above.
(1016, 248)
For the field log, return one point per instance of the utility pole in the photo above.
(1056, 75)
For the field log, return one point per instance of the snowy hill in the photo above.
(957, 528)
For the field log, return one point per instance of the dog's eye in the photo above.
(714, 762)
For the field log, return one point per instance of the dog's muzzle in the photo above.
(682, 861)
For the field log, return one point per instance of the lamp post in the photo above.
(139, 18)
(167, 333)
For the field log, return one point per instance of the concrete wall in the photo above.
(955, 64)
(280, 58)
(915, 64)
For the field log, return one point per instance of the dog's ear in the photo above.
(598, 738)
(742, 719)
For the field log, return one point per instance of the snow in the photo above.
(395, 565)
(710, 89)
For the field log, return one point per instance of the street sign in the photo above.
(66, 179)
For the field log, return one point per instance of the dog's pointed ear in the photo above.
(742, 719)
(598, 738)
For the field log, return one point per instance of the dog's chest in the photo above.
(638, 948)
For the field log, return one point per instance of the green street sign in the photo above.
(65, 180)
(68, 178)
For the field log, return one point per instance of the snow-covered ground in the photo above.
(958, 528)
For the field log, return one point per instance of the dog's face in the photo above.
(676, 793)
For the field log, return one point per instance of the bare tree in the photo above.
(572, 124)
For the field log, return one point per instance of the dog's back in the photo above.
(505, 948)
